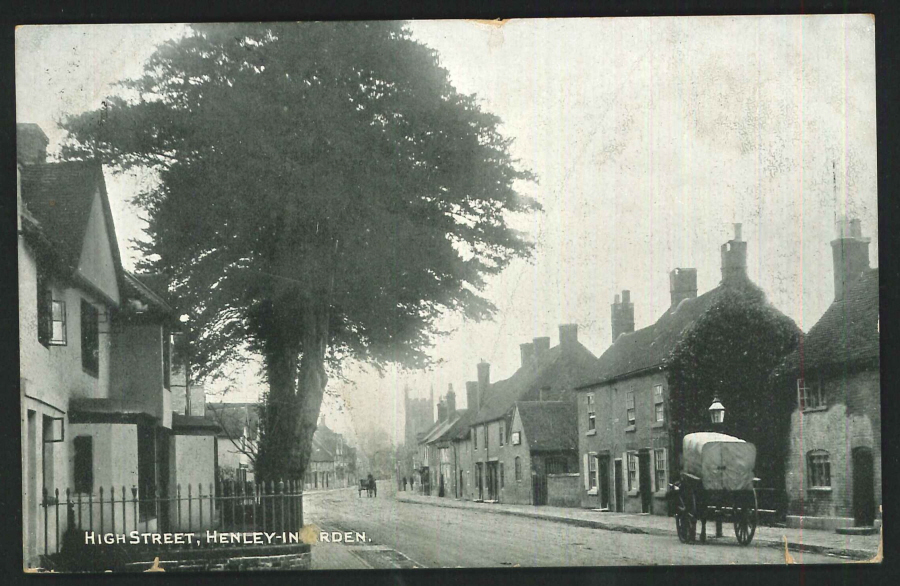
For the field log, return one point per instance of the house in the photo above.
(95, 357)
(237, 439)
(444, 448)
(344, 455)
(654, 385)
(833, 462)
(545, 375)
(320, 471)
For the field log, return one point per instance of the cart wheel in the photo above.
(745, 519)
(686, 519)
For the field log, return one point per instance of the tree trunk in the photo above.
(313, 379)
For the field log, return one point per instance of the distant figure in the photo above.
(373, 489)
(404, 484)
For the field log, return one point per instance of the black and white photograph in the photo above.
(377, 294)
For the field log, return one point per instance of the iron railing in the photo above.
(233, 507)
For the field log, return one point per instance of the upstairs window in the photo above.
(658, 404)
(486, 435)
(819, 469)
(809, 395)
(629, 408)
(58, 335)
(591, 412)
(502, 432)
(518, 469)
(90, 338)
(475, 437)
(44, 309)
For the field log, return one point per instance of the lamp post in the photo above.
(185, 320)
(717, 416)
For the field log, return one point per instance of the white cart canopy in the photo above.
(721, 461)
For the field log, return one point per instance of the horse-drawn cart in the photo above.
(717, 482)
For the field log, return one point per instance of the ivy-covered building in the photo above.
(834, 460)
(654, 385)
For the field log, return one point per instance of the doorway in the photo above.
(863, 487)
(644, 474)
(493, 481)
(603, 470)
(479, 481)
(31, 513)
(617, 483)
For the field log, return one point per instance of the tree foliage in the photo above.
(730, 353)
(323, 192)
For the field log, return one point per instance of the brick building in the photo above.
(629, 445)
(834, 461)
(546, 375)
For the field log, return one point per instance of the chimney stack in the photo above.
(682, 285)
(472, 401)
(31, 144)
(442, 410)
(451, 402)
(527, 351)
(734, 258)
(850, 252)
(568, 335)
(622, 315)
(484, 381)
(541, 345)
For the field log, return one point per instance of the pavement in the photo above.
(855, 547)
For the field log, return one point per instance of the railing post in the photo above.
(281, 502)
(112, 507)
(79, 511)
(178, 503)
(200, 507)
(45, 505)
(124, 512)
(212, 506)
(190, 520)
(91, 510)
(56, 530)
(134, 503)
(262, 504)
(101, 510)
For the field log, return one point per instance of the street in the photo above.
(406, 535)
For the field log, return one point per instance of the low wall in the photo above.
(564, 490)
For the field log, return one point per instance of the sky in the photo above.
(650, 138)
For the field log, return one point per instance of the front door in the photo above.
(493, 481)
(603, 468)
(863, 487)
(479, 480)
(644, 464)
(620, 493)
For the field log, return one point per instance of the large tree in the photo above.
(323, 193)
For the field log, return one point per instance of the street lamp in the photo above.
(717, 411)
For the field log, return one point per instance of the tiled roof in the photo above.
(549, 425)
(59, 196)
(846, 333)
(137, 285)
(320, 454)
(650, 346)
(453, 428)
(558, 370)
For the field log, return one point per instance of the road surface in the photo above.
(406, 535)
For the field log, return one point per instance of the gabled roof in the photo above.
(456, 427)
(846, 333)
(649, 347)
(60, 196)
(437, 430)
(320, 453)
(549, 425)
(556, 369)
(136, 286)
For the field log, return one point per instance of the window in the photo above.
(658, 404)
(809, 395)
(501, 475)
(90, 338)
(84, 464)
(518, 469)
(486, 428)
(629, 408)
(819, 469)
(592, 471)
(516, 438)
(660, 466)
(58, 323)
(44, 309)
(632, 471)
(502, 432)
(591, 412)
(475, 437)
(48, 459)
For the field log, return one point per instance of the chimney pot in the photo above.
(451, 401)
(616, 298)
(484, 381)
(527, 352)
(682, 285)
(626, 296)
(472, 396)
(622, 315)
(734, 258)
(737, 232)
(850, 255)
(568, 333)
